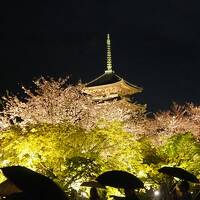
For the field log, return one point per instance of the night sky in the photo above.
(155, 45)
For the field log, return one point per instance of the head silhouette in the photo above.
(184, 186)
(93, 194)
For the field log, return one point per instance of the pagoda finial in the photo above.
(109, 56)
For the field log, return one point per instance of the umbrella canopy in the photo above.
(33, 183)
(120, 179)
(117, 197)
(18, 196)
(93, 184)
(7, 188)
(179, 173)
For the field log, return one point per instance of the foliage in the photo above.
(45, 147)
(182, 150)
(68, 153)
(71, 155)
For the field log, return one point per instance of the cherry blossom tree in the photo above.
(53, 101)
(56, 101)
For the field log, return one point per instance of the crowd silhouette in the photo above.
(25, 184)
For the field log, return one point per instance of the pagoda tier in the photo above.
(109, 86)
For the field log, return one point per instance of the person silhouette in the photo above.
(130, 194)
(181, 191)
(94, 194)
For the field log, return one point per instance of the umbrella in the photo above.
(179, 173)
(93, 184)
(7, 188)
(117, 197)
(33, 183)
(120, 179)
(18, 196)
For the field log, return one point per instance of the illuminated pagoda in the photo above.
(109, 85)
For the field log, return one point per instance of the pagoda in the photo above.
(109, 85)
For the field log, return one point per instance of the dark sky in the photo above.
(155, 44)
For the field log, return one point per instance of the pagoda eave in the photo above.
(120, 88)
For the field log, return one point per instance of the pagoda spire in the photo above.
(109, 55)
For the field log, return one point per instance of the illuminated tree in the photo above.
(182, 150)
(69, 154)
(132, 115)
(55, 101)
(179, 119)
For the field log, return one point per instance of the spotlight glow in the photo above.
(156, 193)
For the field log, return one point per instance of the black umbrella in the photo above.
(179, 173)
(120, 179)
(7, 188)
(93, 184)
(117, 197)
(33, 183)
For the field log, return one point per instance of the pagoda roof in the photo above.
(108, 79)
(104, 79)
